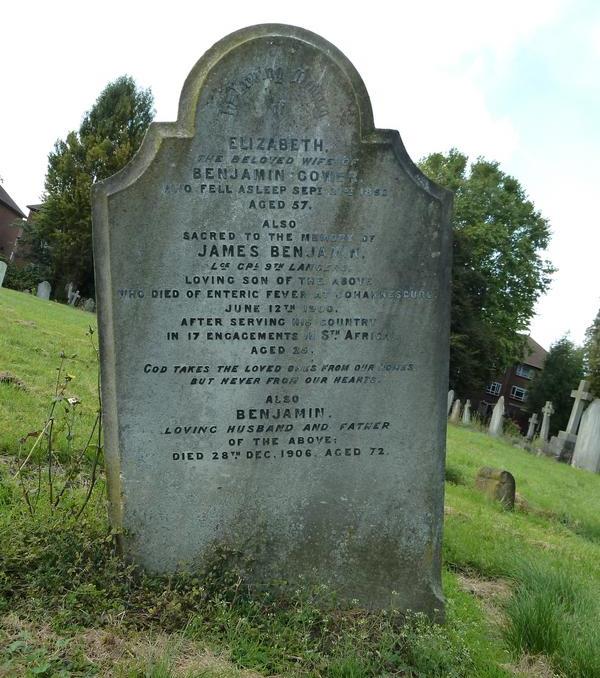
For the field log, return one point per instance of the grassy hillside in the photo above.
(522, 587)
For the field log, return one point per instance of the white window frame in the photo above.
(524, 371)
(513, 393)
(494, 388)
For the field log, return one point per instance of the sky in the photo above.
(517, 82)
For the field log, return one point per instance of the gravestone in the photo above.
(547, 411)
(73, 295)
(562, 445)
(498, 485)
(273, 289)
(450, 401)
(3, 267)
(89, 305)
(496, 427)
(532, 426)
(466, 417)
(587, 447)
(455, 415)
(43, 290)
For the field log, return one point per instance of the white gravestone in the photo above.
(532, 426)
(587, 447)
(466, 417)
(455, 414)
(3, 267)
(547, 411)
(43, 290)
(497, 421)
(562, 445)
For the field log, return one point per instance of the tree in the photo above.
(591, 355)
(498, 273)
(563, 370)
(111, 132)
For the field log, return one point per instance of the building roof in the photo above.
(5, 199)
(35, 208)
(535, 355)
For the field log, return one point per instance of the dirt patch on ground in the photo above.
(492, 593)
(26, 323)
(535, 667)
(114, 652)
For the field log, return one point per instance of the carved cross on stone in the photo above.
(581, 395)
(547, 412)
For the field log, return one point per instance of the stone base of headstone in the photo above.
(562, 446)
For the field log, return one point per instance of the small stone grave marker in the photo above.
(273, 286)
(497, 484)
(3, 267)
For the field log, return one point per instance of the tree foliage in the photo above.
(591, 355)
(110, 134)
(563, 370)
(498, 272)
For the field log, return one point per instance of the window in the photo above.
(525, 372)
(518, 393)
(494, 388)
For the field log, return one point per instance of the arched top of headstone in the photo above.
(315, 76)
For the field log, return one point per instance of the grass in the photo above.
(522, 587)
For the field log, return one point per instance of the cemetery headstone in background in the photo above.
(450, 401)
(532, 426)
(43, 290)
(562, 445)
(466, 417)
(89, 305)
(496, 427)
(547, 412)
(3, 267)
(587, 447)
(455, 414)
(273, 296)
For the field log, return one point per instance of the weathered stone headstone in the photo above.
(562, 445)
(466, 417)
(547, 411)
(273, 295)
(89, 305)
(532, 426)
(450, 401)
(455, 414)
(587, 447)
(43, 290)
(496, 427)
(497, 484)
(3, 267)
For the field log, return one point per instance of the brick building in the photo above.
(513, 385)
(11, 230)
